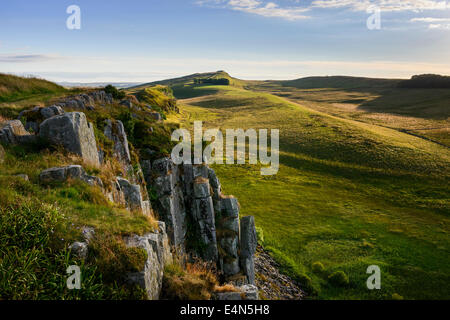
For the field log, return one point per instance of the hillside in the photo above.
(339, 82)
(356, 187)
(85, 181)
(13, 88)
(349, 194)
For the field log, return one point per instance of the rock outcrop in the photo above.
(74, 133)
(62, 174)
(246, 292)
(249, 242)
(158, 256)
(199, 219)
(133, 197)
(87, 100)
(13, 132)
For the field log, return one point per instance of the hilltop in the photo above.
(14, 88)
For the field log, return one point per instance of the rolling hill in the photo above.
(353, 189)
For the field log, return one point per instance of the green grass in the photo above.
(349, 194)
(13, 88)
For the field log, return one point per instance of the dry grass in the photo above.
(189, 281)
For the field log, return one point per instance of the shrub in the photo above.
(318, 267)
(339, 279)
(114, 92)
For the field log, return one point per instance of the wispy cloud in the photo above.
(260, 8)
(26, 58)
(384, 5)
(434, 23)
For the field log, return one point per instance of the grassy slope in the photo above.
(13, 88)
(51, 217)
(348, 194)
(421, 112)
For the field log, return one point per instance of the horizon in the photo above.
(147, 41)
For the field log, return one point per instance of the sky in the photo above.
(147, 40)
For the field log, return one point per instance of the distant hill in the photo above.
(14, 88)
(340, 82)
(119, 85)
(426, 81)
(218, 78)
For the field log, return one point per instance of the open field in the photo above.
(350, 193)
(421, 112)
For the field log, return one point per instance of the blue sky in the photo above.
(144, 40)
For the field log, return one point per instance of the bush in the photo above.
(318, 267)
(339, 279)
(114, 92)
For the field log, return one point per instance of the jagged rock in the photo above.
(13, 132)
(115, 131)
(146, 166)
(172, 210)
(74, 133)
(230, 207)
(203, 216)
(158, 255)
(133, 196)
(247, 292)
(201, 188)
(162, 167)
(215, 185)
(80, 249)
(127, 103)
(2, 154)
(62, 174)
(51, 111)
(249, 242)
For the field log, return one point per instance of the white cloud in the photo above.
(434, 23)
(260, 8)
(385, 5)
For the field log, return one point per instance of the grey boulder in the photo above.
(74, 133)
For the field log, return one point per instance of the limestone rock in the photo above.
(247, 292)
(62, 174)
(249, 242)
(80, 249)
(13, 132)
(51, 111)
(158, 255)
(74, 133)
(133, 196)
(115, 131)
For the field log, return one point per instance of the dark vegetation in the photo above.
(426, 81)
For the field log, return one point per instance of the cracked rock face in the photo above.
(133, 197)
(74, 133)
(13, 132)
(62, 174)
(159, 255)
